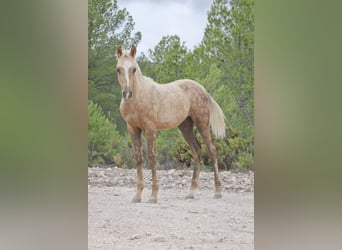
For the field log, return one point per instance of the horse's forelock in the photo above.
(126, 54)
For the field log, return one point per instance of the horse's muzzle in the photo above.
(126, 95)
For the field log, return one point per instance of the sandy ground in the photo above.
(173, 223)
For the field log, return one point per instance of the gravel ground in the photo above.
(173, 223)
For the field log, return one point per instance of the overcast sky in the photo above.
(158, 18)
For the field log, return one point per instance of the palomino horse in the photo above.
(148, 106)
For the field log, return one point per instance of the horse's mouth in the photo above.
(126, 95)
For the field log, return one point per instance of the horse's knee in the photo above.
(138, 161)
(138, 156)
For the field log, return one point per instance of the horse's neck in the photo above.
(144, 83)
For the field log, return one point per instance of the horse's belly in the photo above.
(170, 116)
(169, 124)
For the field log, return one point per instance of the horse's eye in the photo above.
(118, 70)
(134, 69)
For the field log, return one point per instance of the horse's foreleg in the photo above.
(136, 140)
(151, 147)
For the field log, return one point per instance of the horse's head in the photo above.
(126, 68)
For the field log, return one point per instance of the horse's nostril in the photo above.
(127, 95)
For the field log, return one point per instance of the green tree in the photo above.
(168, 59)
(146, 66)
(241, 23)
(217, 33)
(108, 26)
(197, 64)
(229, 43)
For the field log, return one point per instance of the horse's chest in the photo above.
(132, 114)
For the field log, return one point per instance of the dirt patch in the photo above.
(173, 223)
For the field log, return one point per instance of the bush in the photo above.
(244, 161)
(235, 151)
(164, 146)
(180, 151)
(126, 154)
(103, 140)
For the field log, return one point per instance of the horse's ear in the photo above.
(133, 50)
(118, 51)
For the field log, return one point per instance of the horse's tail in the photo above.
(217, 119)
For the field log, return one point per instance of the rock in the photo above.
(134, 237)
(172, 171)
(160, 239)
(171, 179)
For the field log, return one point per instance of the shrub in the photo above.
(126, 153)
(103, 140)
(235, 151)
(166, 140)
(180, 151)
(244, 161)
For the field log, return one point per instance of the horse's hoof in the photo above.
(136, 200)
(190, 196)
(152, 201)
(218, 196)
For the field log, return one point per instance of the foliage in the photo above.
(180, 152)
(108, 27)
(103, 139)
(168, 59)
(164, 144)
(125, 158)
(229, 42)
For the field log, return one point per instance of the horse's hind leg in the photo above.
(205, 133)
(186, 127)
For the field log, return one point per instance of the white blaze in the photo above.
(127, 65)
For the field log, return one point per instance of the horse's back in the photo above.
(172, 103)
(195, 91)
(198, 99)
(188, 85)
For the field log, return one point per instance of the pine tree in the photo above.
(108, 27)
(168, 59)
(228, 42)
